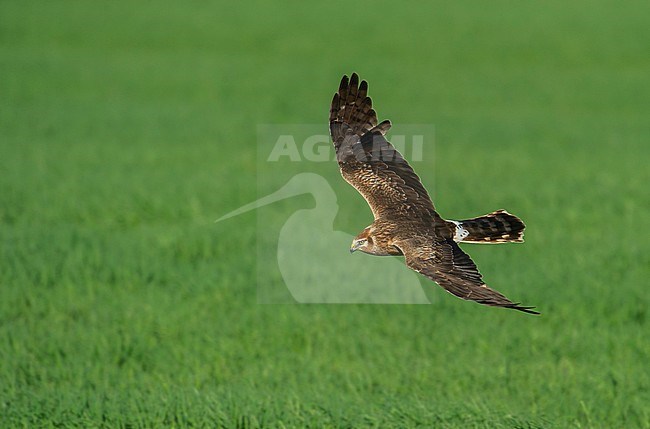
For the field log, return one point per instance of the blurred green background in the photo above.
(127, 128)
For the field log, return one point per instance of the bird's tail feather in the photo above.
(493, 228)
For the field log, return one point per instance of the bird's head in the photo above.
(363, 242)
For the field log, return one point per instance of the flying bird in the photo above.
(405, 220)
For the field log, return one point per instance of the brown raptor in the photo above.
(406, 222)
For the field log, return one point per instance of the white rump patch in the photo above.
(461, 233)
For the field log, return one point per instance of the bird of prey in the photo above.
(405, 220)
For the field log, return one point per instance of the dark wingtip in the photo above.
(529, 310)
(344, 83)
(334, 108)
(363, 86)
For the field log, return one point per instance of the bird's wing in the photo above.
(445, 263)
(367, 160)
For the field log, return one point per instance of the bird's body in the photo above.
(406, 222)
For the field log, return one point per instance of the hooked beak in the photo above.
(355, 246)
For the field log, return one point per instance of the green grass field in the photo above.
(126, 130)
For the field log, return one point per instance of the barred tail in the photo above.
(493, 228)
